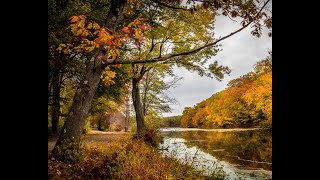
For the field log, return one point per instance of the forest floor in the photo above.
(95, 137)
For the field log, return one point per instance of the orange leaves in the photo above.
(118, 42)
(145, 27)
(78, 28)
(88, 36)
(125, 30)
(135, 29)
(268, 23)
(103, 36)
(225, 13)
(74, 19)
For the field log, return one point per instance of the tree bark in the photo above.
(75, 121)
(137, 104)
(126, 127)
(56, 102)
(101, 122)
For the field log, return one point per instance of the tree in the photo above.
(64, 67)
(247, 101)
(109, 40)
(154, 96)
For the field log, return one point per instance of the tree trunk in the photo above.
(137, 105)
(101, 122)
(56, 102)
(75, 121)
(127, 114)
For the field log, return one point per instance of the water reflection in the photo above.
(246, 150)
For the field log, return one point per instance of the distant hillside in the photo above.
(246, 102)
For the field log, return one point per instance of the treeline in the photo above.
(246, 102)
(171, 121)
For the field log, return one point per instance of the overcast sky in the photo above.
(240, 52)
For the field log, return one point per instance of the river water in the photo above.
(240, 153)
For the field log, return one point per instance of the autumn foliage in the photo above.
(123, 159)
(246, 102)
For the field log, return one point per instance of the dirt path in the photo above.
(95, 137)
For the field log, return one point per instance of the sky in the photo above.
(240, 52)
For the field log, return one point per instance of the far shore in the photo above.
(199, 129)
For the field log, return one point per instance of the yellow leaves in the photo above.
(61, 46)
(114, 53)
(138, 33)
(89, 26)
(107, 76)
(96, 26)
(261, 94)
(64, 48)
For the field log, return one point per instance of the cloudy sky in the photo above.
(240, 52)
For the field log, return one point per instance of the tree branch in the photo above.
(162, 59)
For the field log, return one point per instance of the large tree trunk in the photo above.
(75, 121)
(56, 102)
(137, 105)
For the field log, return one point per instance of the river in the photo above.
(239, 153)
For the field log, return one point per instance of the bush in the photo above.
(69, 151)
(87, 127)
(149, 136)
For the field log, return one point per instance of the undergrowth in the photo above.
(123, 159)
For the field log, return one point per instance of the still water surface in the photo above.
(240, 153)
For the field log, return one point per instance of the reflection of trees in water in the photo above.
(239, 147)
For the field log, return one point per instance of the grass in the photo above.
(123, 158)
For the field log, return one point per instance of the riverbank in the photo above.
(95, 137)
(116, 155)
